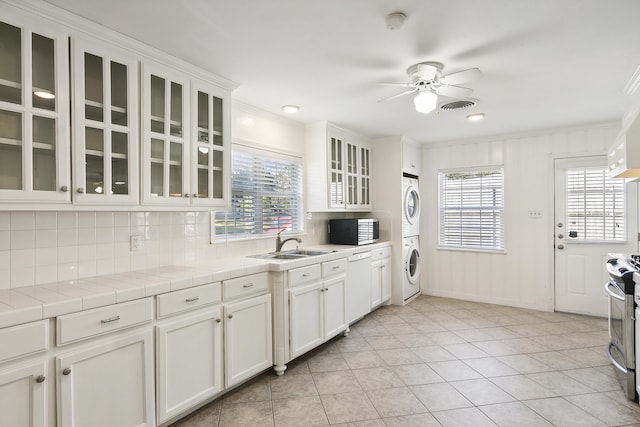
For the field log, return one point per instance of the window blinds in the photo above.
(472, 209)
(266, 195)
(595, 205)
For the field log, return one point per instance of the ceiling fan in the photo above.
(427, 82)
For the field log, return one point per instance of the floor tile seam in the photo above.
(568, 401)
(564, 371)
(554, 394)
(515, 399)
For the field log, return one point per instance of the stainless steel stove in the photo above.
(623, 275)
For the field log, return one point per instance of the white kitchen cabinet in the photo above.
(189, 361)
(108, 383)
(337, 164)
(317, 305)
(210, 161)
(306, 313)
(185, 140)
(380, 276)
(23, 394)
(411, 158)
(34, 111)
(165, 136)
(247, 338)
(105, 124)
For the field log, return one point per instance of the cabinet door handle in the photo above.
(192, 299)
(64, 188)
(80, 190)
(335, 267)
(218, 320)
(321, 289)
(195, 195)
(66, 371)
(185, 195)
(230, 316)
(248, 285)
(305, 275)
(110, 320)
(326, 289)
(40, 379)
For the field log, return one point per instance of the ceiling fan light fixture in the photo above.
(290, 109)
(425, 102)
(475, 117)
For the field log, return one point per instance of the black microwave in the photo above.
(353, 231)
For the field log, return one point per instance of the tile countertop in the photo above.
(31, 303)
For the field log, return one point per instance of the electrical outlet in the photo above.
(535, 214)
(136, 243)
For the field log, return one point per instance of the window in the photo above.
(266, 194)
(595, 205)
(472, 209)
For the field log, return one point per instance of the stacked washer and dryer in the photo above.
(410, 236)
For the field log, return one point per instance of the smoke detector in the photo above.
(395, 20)
(458, 105)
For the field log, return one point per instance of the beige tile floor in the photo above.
(441, 362)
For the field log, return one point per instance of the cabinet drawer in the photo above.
(86, 324)
(23, 340)
(245, 285)
(188, 299)
(380, 253)
(332, 268)
(307, 274)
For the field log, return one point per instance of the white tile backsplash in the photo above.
(45, 247)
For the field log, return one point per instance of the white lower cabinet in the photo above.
(23, 395)
(247, 338)
(380, 276)
(317, 308)
(108, 383)
(189, 361)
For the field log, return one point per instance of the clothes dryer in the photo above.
(410, 207)
(411, 267)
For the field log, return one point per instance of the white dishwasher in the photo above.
(358, 286)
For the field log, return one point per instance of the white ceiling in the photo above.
(546, 63)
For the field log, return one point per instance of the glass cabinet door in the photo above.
(365, 176)
(105, 106)
(352, 174)
(209, 175)
(165, 118)
(34, 137)
(336, 171)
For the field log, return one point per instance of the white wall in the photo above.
(523, 276)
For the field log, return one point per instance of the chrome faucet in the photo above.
(280, 243)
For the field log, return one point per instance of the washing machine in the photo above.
(410, 207)
(410, 267)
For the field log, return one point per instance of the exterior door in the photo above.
(594, 216)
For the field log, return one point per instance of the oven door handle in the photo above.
(613, 360)
(616, 295)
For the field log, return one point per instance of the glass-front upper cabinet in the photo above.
(209, 148)
(352, 174)
(105, 113)
(34, 111)
(336, 171)
(165, 137)
(365, 176)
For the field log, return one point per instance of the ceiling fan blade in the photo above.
(398, 95)
(426, 71)
(454, 91)
(461, 77)
(396, 84)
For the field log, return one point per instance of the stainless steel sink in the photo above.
(292, 254)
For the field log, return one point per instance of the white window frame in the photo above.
(261, 152)
(495, 211)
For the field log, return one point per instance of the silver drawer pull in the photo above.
(248, 285)
(305, 275)
(335, 267)
(110, 320)
(192, 299)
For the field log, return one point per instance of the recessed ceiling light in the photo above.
(290, 109)
(44, 94)
(475, 117)
(395, 20)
